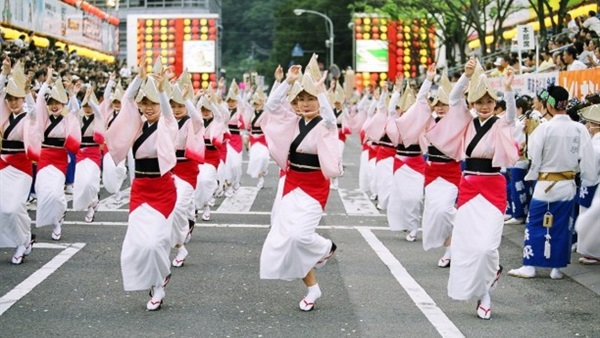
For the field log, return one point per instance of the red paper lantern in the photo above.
(357, 21)
(399, 67)
(358, 29)
(212, 30)
(213, 77)
(171, 22)
(156, 22)
(375, 36)
(196, 84)
(374, 76)
(195, 22)
(375, 21)
(358, 36)
(375, 29)
(195, 36)
(212, 37)
(196, 76)
(211, 22)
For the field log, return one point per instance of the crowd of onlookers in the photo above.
(69, 65)
(577, 47)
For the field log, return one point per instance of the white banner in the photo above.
(60, 20)
(526, 84)
(199, 56)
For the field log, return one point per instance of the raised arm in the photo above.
(509, 97)
(109, 86)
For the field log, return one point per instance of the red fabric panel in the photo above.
(416, 163)
(313, 183)
(450, 171)
(18, 161)
(93, 153)
(212, 157)
(187, 171)
(385, 152)
(491, 187)
(54, 156)
(159, 193)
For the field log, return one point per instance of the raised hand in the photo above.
(279, 73)
(398, 83)
(49, 75)
(508, 79)
(470, 67)
(431, 72)
(186, 91)
(142, 68)
(6, 66)
(321, 83)
(112, 76)
(293, 74)
(160, 81)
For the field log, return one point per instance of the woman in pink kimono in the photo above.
(213, 139)
(306, 148)
(377, 131)
(235, 143)
(442, 174)
(486, 144)
(17, 127)
(189, 148)
(89, 157)
(145, 263)
(258, 155)
(406, 195)
(357, 120)
(337, 99)
(59, 125)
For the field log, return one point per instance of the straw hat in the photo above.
(443, 92)
(312, 68)
(117, 95)
(88, 99)
(294, 91)
(479, 85)
(336, 95)
(177, 94)
(16, 82)
(185, 79)
(591, 113)
(149, 88)
(233, 92)
(408, 98)
(259, 96)
(58, 92)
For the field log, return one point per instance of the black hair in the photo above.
(524, 103)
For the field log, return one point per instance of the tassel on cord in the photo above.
(547, 223)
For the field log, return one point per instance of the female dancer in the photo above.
(87, 169)
(235, 144)
(60, 126)
(145, 255)
(258, 160)
(306, 147)
(17, 127)
(488, 144)
(189, 148)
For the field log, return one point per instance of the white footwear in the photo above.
(179, 259)
(334, 184)
(308, 302)
(373, 197)
(188, 237)
(17, 258)
(514, 221)
(507, 217)
(69, 189)
(211, 202)
(556, 274)
(206, 214)
(484, 307)
(219, 192)
(57, 231)
(228, 191)
(158, 294)
(261, 183)
(444, 262)
(588, 260)
(89, 217)
(525, 271)
(412, 236)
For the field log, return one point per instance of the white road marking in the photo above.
(434, 314)
(357, 203)
(241, 201)
(21, 290)
(110, 203)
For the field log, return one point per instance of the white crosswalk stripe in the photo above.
(241, 201)
(356, 202)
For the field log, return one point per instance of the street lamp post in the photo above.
(299, 12)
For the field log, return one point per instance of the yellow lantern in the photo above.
(148, 53)
(204, 29)
(163, 37)
(187, 37)
(406, 51)
(187, 29)
(203, 37)
(149, 67)
(367, 28)
(163, 52)
(381, 83)
(163, 22)
(148, 45)
(367, 21)
(148, 30)
(423, 37)
(148, 22)
(383, 76)
(163, 60)
(383, 21)
(423, 59)
(383, 29)
(383, 36)
(163, 45)
(204, 76)
(423, 52)
(406, 66)
(366, 82)
(203, 22)
(163, 30)
(204, 84)
(186, 22)
(407, 30)
(407, 59)
(366, 36)
(366, 76)
(407, 74)
(148, 37)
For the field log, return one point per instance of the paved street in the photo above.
(377, 284)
